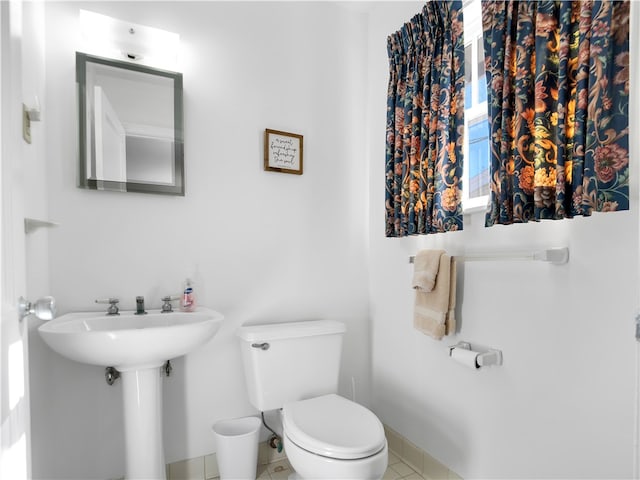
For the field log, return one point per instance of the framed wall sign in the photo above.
(282, 152)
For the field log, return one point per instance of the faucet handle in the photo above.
(170, 298)
(113, 305)
(166, 305)
(107, 300)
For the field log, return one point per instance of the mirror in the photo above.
(130, 127)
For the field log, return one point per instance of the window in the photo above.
(476, 148)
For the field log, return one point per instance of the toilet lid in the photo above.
(333, 426)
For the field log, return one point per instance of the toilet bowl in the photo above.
(330, 437)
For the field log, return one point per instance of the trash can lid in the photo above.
(237, 426)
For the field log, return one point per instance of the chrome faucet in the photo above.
(167, 307)
(140, 306)
(113, 305)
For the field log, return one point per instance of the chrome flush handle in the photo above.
(261, 346)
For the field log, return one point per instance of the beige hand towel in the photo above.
(425, 269)
(434, 312)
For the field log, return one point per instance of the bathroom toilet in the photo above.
(294, 367)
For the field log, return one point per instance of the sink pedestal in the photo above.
(142, 394)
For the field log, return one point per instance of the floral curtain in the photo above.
(425, 122)
(558, 101)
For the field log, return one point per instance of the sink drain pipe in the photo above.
(111, 375)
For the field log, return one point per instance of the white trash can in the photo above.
(237, 447)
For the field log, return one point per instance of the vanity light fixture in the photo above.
(113, 38)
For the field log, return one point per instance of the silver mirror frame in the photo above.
(178, 188)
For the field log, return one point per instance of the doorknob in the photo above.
(44, 308)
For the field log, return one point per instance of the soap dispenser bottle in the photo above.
(188, 301)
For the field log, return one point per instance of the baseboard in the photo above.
(416, 458)
(206, 467)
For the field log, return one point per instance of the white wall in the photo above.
(562, 405)
(261, 246)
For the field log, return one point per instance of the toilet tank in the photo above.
(290, 361)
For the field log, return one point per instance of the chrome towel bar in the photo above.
(556, 256)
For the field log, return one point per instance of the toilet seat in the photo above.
(334, 427)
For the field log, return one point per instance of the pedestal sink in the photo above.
(136, 345)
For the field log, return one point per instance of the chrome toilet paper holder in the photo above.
(491, 356)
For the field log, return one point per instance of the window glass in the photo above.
(476, 174)
(478, 164)
(482, 78)
(468, 85)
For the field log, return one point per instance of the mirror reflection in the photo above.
(130, 127)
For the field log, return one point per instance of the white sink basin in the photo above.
(136, 345)
(128, 341)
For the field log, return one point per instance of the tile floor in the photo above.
(406, 461)
(396, 470)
